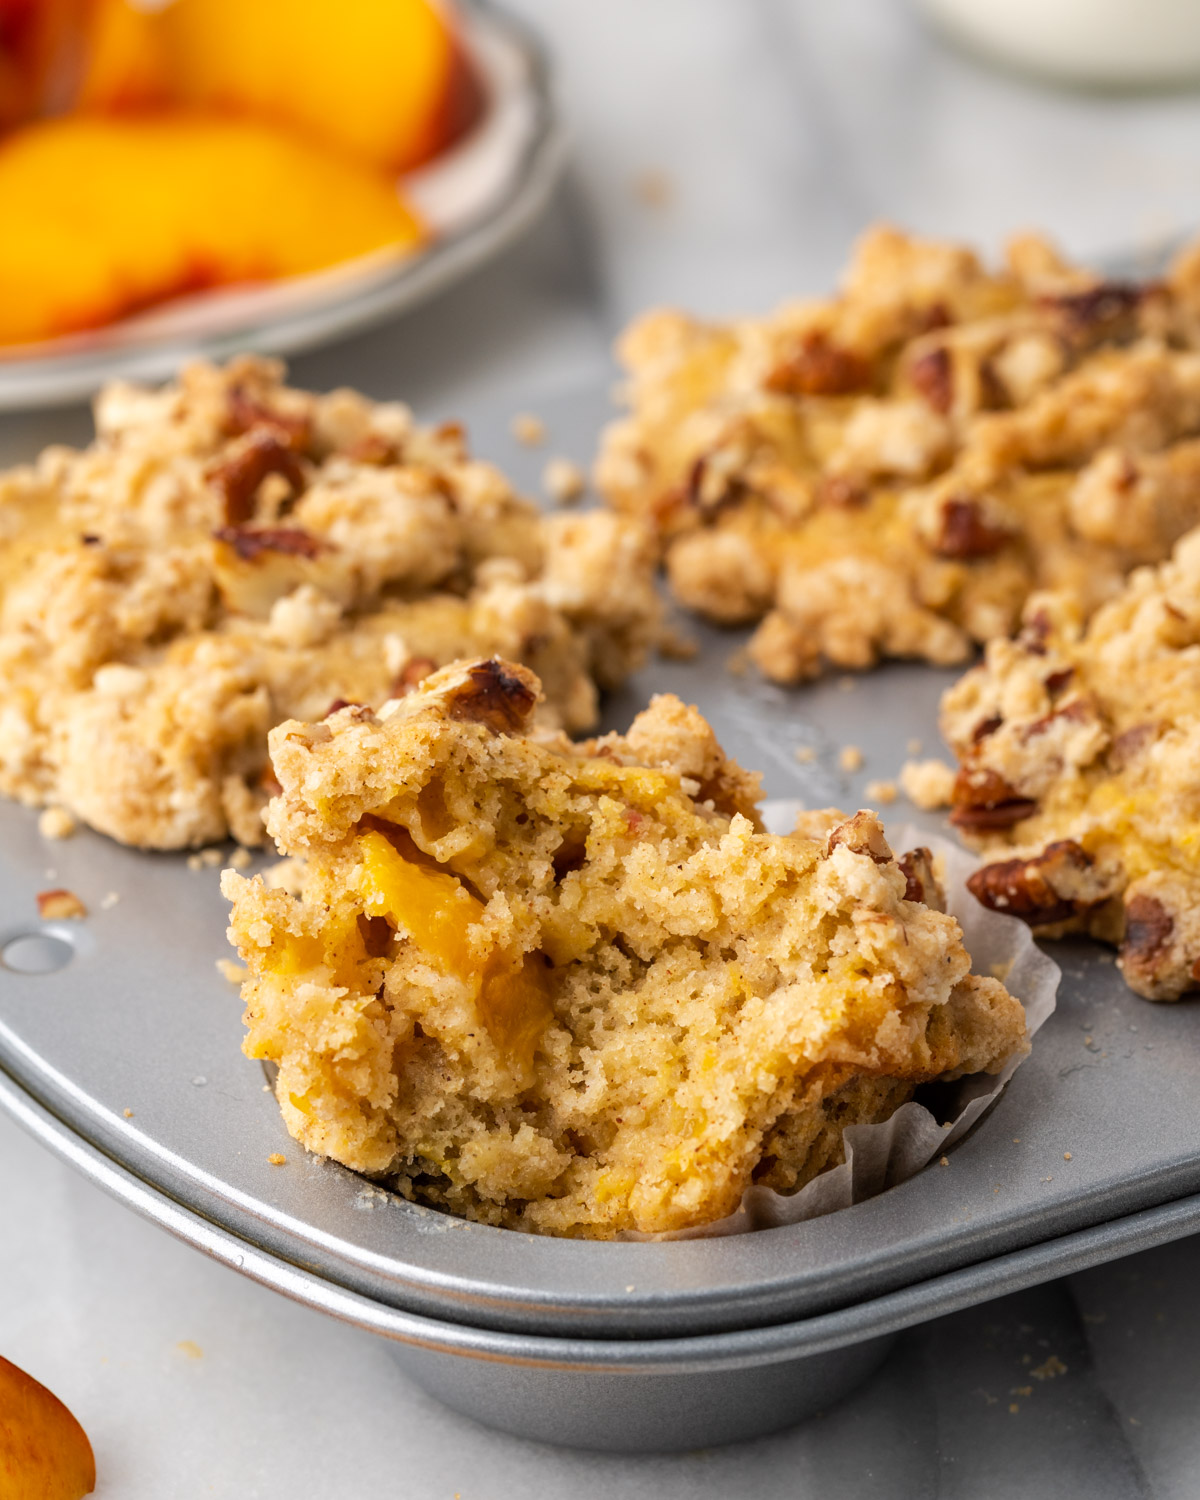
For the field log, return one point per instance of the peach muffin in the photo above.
(575, 989)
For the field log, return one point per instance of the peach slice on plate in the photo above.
(108, 216)
(44, 1452)
(386, 81)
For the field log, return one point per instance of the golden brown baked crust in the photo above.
(891, 472)
(1079, 748)
(230, 552)
(575, 989)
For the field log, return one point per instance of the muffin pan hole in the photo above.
(36, 953)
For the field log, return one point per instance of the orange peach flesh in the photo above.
(44, 1452)
(115, 215)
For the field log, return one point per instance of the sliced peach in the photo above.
(386, 80)
(36, 45)
(44, 1452)
(124, 59)
(107, 216)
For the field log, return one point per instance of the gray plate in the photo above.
(138, 1019)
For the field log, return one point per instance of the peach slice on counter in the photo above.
(44, 1452)
(107, 216)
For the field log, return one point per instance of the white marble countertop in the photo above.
(775, 129)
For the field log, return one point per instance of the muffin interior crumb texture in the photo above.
(230, 552)
(891, 471)
(574, 988)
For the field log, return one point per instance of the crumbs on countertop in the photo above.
(805, 754)
(227, 969)
(240, 858)
(277, 1159)
(880, 791)
(109, 900)
(851, 758)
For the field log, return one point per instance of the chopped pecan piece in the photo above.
(495, 694)
(1148, 929)
(983, 799)
(921, 883)
(1129, 744)
(1105, 311)
(59, 904)
(933, 375)
(710, 486)
(862, 835)
(964, 533)
(238, 476)
(251, 543)
(1060, 883)
(1035, 632)
(987, 725)
(245, 414)
(1076, 711)
(411, 674)
(819, 367)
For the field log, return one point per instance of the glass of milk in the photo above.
(1114, 43)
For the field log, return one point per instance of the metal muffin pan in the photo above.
(631, 1395)
(136, 1018)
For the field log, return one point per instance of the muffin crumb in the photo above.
(563, 481)
(927, 783)
(56, 823)
(528, 429)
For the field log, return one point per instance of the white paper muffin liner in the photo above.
(881, 1156)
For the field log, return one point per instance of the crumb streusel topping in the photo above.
(891, 472)
(229, 553)
(1079, 749)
